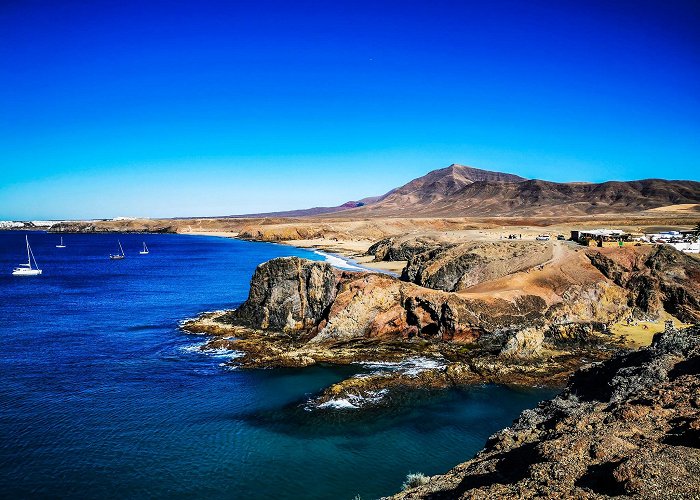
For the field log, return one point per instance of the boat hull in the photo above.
(116, 257)
(26, 272)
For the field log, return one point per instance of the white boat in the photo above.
(27, 269)
(145, 249)
(61, 245)
(118, 256)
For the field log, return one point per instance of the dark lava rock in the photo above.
(288, 293)
(626, 427)
(660, 278)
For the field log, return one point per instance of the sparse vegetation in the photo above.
(414, 479)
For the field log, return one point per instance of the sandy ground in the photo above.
(681, 208)
(355, 250)
(641, 333)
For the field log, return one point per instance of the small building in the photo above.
(599, 237)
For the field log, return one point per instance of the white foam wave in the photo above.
(339, 262)
(354, 401)
(411, 366)
(216, 353)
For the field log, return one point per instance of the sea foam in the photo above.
(339, 262)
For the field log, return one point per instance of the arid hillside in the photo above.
(458, 191)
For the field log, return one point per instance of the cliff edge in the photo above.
(626, 427)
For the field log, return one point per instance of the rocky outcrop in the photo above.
(315, 302)
(626, 427)
(113, 226)
(455, 268)
(301, 312)
(289, 294)
(658, 278)
(397, 248)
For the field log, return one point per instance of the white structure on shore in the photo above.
(687, 247)
(684, 241)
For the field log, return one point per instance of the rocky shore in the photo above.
(497, 313)
(626, 427)
(517, 313)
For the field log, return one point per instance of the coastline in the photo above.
(352, 252)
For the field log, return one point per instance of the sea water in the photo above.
(103, 396)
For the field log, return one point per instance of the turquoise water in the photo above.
(103, 396)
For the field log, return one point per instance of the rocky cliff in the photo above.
(532, 326)
(657, 278)
(457, 267)
(627, 427)
(397, 248)
(314, 302)
(289, 295)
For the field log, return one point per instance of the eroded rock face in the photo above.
(626, 427)
(288, 294)
(313, 301)
(455, 268)
(395, 248)
(657, 278)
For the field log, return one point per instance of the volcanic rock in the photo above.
(626, 427)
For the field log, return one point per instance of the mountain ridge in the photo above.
(463, 191)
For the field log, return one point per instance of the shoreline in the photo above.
(352, 252)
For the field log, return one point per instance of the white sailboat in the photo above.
(61, 245)
(27, 269)
(145, 249)
(117, 256)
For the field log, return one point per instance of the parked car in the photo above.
(542, 237)
(561, 237)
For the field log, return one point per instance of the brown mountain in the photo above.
(463, 191)
(437, 188)
(307, 212)
(460, 191)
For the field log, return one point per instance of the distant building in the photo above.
(683, 241)
(599, 237)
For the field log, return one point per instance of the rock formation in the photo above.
(454, 268)
(400, 248)
(658, 278)
(315, 302)
(288, 294)
(626, 427)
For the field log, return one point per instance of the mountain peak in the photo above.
(478, 174)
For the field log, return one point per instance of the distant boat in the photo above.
(61, 245)
(118, 256)
(145, 249)
(27, 269)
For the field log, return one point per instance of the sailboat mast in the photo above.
(29, 259)
(36, 266)
(120, 247)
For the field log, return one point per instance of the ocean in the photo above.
(103, 396)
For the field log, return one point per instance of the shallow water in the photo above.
(103, 396)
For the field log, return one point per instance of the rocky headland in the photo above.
(507, 312)
(626, 427)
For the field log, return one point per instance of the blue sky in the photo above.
(212, 108)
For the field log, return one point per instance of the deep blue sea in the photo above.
(102, 396)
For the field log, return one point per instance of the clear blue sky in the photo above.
(209, 108)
